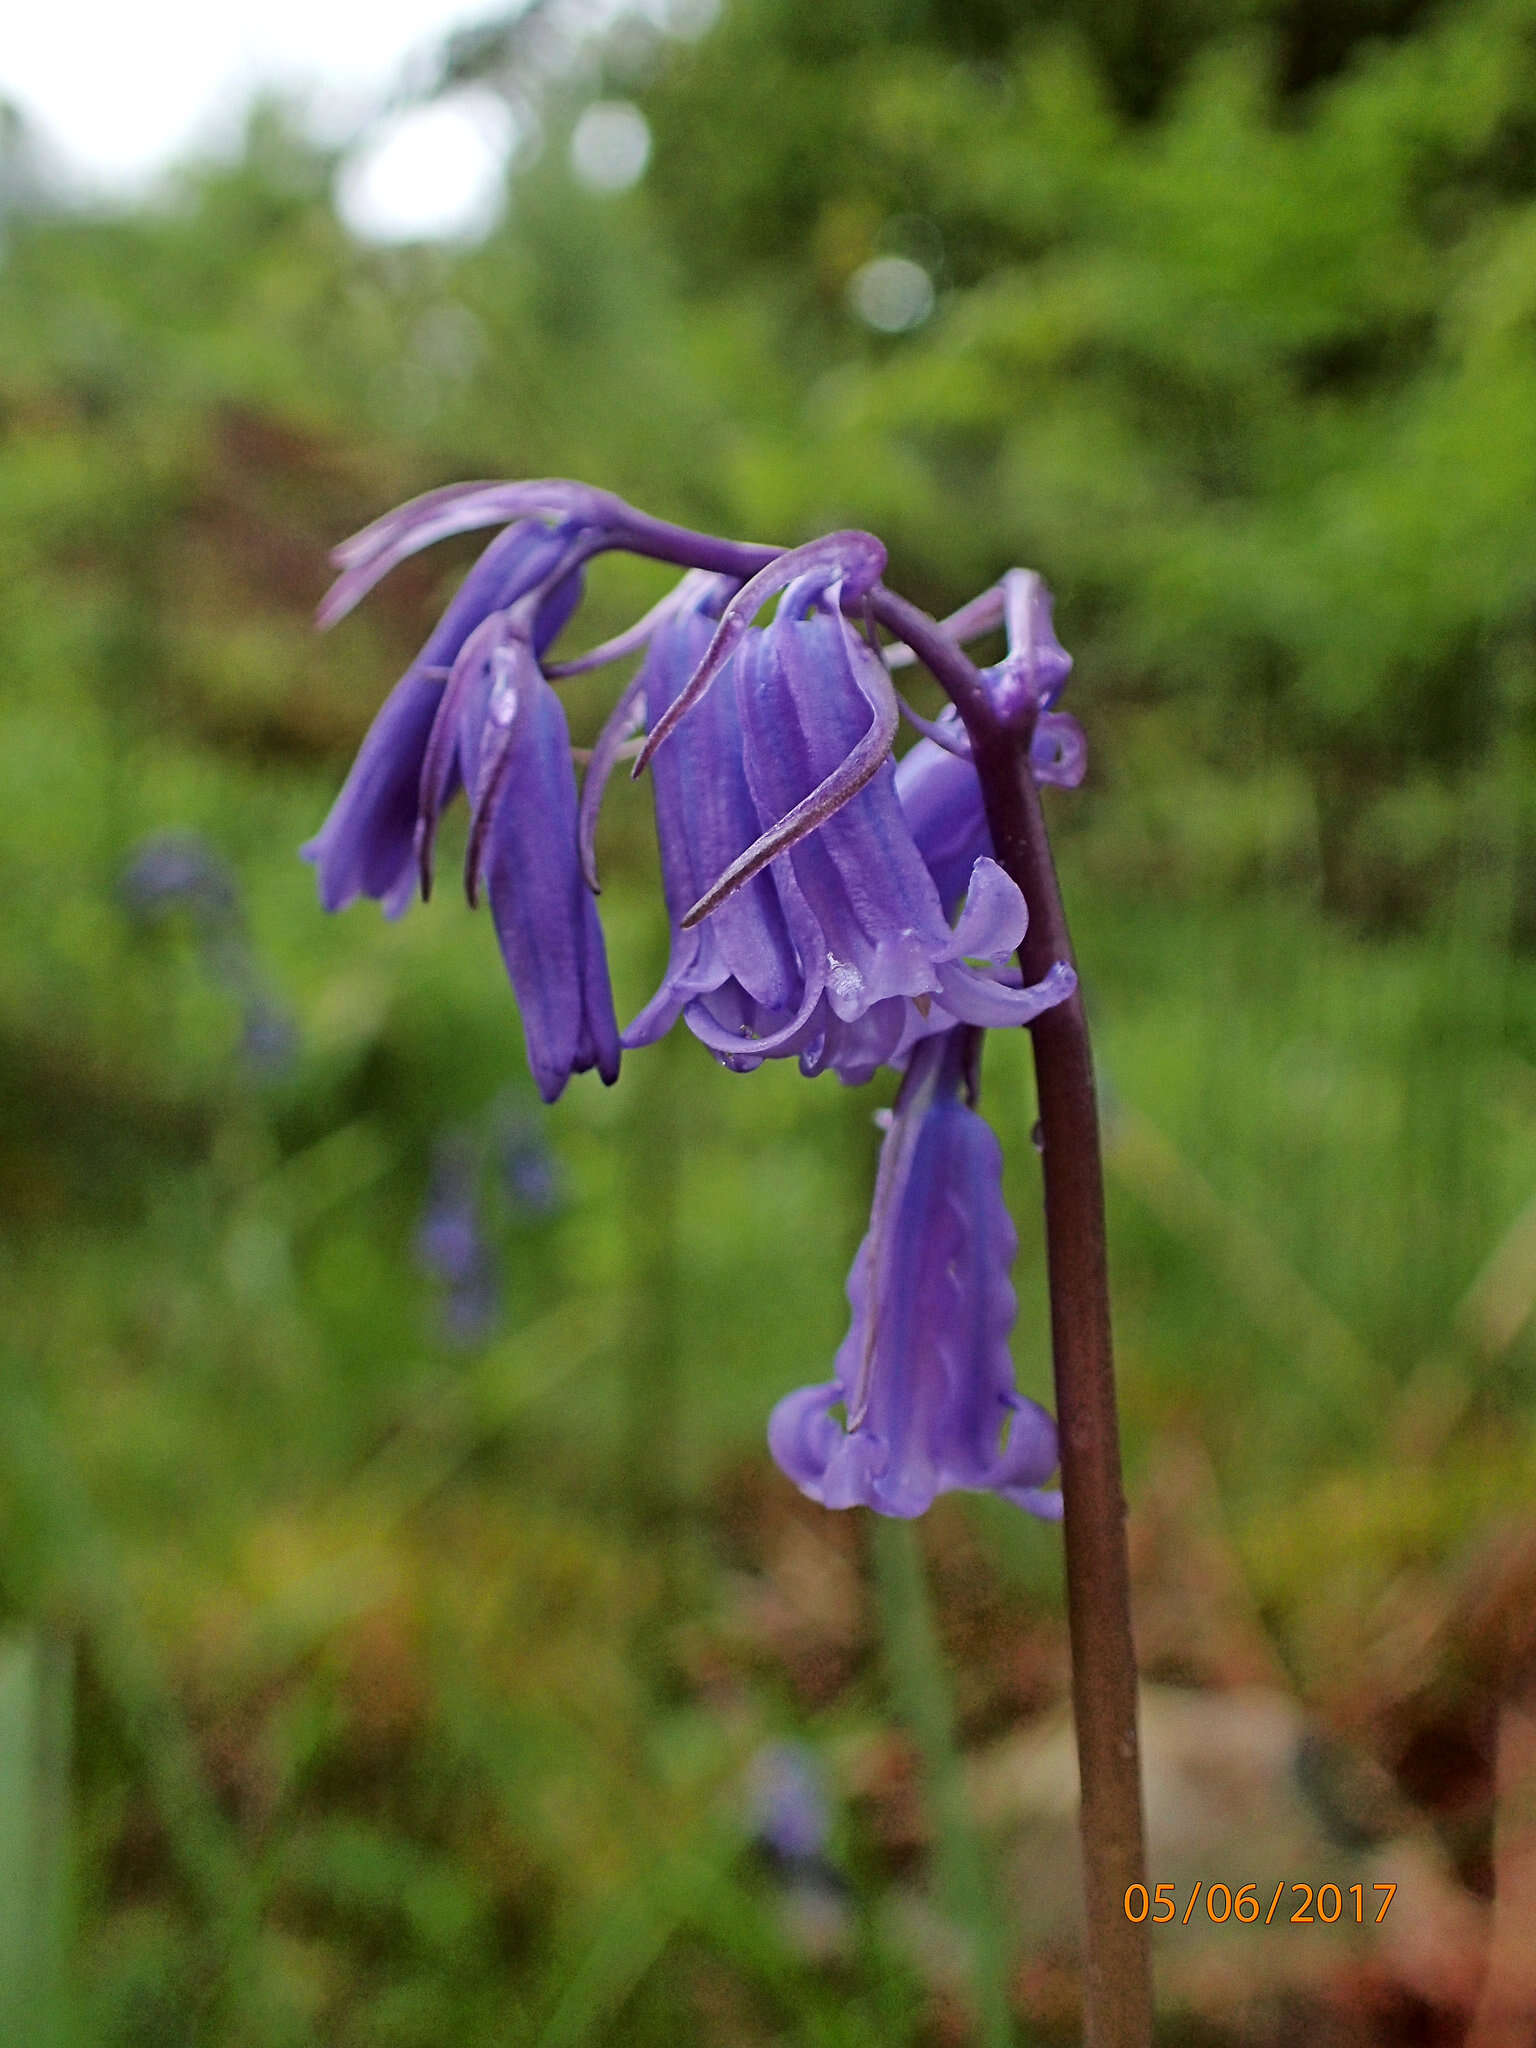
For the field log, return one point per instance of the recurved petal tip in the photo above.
(852, 559)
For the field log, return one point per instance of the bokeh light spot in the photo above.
(610, 145)
(891, 293)
(434, 173)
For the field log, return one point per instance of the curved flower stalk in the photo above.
(938, 785)
(830, 906)
(924, 1376)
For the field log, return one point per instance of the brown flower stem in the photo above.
(1117, 1982)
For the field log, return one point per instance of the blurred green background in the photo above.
(387, 1655)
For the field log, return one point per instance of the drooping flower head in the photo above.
(835, 947)
(924, 1378)
(825, 903)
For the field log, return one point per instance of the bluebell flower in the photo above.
(807, 919)
(476, 712)
(791, 1828)
(924, 1378)
(825, 904)
(829, 943)
(367, 845)
(739, 962)
(1033, 673)
(940, 798)
(938, 788)
(940, 793)
(501, 731)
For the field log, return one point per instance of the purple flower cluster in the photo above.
(826, 902)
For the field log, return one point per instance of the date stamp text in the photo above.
(1293, 1904)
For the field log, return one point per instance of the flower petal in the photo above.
(628, 712)
(974, 998)
(1033, 673)
(851, 558)
(856, 768)
(545, 918)
(941, 800)
(994, 917)
(1058, 752)
(704, 813)
(366, 845)
(874, 923)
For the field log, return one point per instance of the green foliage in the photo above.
(1254, 378)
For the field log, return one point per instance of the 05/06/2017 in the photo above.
(1327, 1903)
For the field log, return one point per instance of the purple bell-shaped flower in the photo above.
(841, 953)
(501, 731)
(475, 711)
(924, 1377)
(367, 845)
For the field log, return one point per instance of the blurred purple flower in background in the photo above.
(788, 1801)
(531, 1175)
(269, 1035)
(178, 875)
(451, 1244)
(791, 1823)
(497, 1170)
